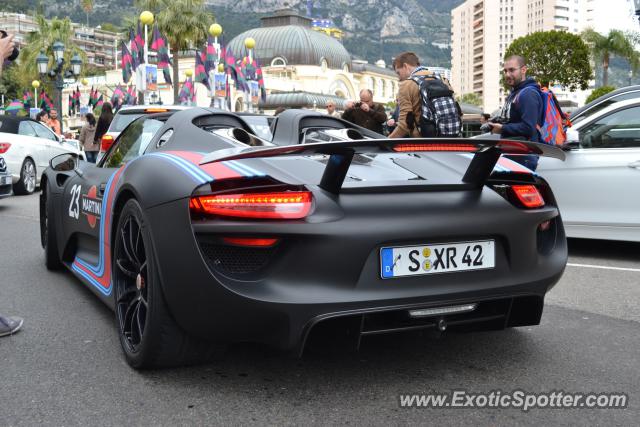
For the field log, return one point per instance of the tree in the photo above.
(185, 24)
(598, 92)
(87, 6)
(555, 57)
(603, 47)
(48, 32)
(470, 98)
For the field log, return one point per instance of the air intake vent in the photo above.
(237, 260)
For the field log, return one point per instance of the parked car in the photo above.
(27, 146)
(598, 185)
(126, 115)
(197, 232)
(6, 187)
(622, 94)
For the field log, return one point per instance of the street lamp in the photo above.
(58, 73)
(36, 85)
(42, 62)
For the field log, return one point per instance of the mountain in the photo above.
(374, 29)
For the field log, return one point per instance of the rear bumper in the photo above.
(5, 190)
(329, 268)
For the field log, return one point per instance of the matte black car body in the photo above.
(325, 266)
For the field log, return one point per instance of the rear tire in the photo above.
(148, 334)
(48, 237)
(27, 182)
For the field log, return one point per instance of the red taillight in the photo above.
(4, 146)
(106, 142)
(280, 205)
(528, 195)
(435, 147)
(251, 242)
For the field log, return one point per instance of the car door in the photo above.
(54, 146)
(599, 183)
(34, 147)
(86, 197)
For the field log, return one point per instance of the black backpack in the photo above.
(441, 114)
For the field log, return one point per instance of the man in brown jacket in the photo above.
(366, 113)
(407, 65)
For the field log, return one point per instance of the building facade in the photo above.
(482, 30)
(99, 45)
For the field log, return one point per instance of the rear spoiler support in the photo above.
(486, 154)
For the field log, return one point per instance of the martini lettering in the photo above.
(91, 206)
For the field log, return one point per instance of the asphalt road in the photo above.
(65, 367)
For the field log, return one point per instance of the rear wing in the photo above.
(486, 154)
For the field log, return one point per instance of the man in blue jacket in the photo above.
(523, 110)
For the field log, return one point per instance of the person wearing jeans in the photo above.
(8, 325)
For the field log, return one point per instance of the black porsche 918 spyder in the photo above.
(198, 233)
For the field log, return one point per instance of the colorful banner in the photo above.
(220, 82)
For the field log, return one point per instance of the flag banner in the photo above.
(126, 62)
(220, 83)
(201, 74)
(210, 56)
(140, 43)
(254, 90)
(151, 77)
(27, 99)
(135, 59)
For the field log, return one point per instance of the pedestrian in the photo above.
(409, 124)
(484, 118)
(42, 117)
(54, 122)
(391, 123)
(523, 109)
(366, 113)
(87, 138)
(106, 116)
(331, 109)
(8, 325)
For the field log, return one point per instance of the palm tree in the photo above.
(603, 47)
(87, 6)
(183, 22)
(42, 39)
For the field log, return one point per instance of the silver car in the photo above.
(598, 185)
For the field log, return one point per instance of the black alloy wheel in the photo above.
(131, 278)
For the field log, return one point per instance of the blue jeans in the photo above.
(91, 156)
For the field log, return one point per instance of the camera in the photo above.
(357, 105)
(486, 128)
(16, 51)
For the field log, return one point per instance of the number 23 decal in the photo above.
(74, 205)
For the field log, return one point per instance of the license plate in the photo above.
(5, 180)
(441, 258)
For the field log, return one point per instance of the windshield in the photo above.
(122, 119)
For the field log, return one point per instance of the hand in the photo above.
(365, 107)
(6, 47)
(496, 127)
(391, 122)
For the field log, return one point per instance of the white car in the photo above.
(598, 185)
(27, 146)
(126, 115)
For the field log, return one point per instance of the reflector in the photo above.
(4, 146)
(106, 142)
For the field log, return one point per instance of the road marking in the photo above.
(604, 267)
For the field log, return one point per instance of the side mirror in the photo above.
(573, 140)
(66, 162)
